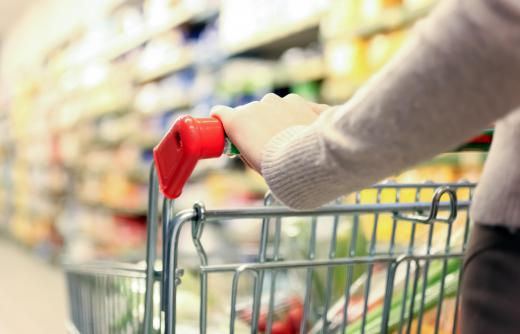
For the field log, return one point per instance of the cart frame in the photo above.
(162, 284)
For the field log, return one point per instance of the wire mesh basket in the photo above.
(387, 259)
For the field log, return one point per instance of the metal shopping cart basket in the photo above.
(387, 259)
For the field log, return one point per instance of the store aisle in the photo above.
(32, 293)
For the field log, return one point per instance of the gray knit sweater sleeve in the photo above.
(460, 72)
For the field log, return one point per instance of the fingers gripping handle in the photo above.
(188, 141)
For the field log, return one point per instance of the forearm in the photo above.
(459, 73)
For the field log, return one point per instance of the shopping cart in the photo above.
(385, 260)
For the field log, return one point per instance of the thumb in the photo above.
(223, 113)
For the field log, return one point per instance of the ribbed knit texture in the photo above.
(294, 147)
(459, 73)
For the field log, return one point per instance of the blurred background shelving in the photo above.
(81, 115)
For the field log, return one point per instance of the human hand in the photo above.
(250, 127)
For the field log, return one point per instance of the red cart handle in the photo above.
(189, 140)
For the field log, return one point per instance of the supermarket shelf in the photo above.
(272, 43)
(125, 44)
(387, 21)
(394, 19)
(165, 70)
(139, 176)
(268, 42)
(127, 212)
(120, 211)
(146, 144)
(116, 112)
(32, 213)
(175, 106)
(274, 47)
(91, 117)
(307, 71)
(103, 143)
(312, 73)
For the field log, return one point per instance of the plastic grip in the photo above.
(188, 141)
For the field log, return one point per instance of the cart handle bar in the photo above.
(192, 139)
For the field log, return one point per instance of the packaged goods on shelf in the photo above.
(360, 37)
(363, 18)
(127, 21)
(162, 55)
(94, 232)
(244, 80)
(348, 58)
(171, 93)
(177, 49)
(301, 65)
(167, 13)
(272, 19)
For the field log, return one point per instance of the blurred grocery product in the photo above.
(272, 19)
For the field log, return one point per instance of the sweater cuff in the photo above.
(292, 168)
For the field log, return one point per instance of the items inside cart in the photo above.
(385, 260)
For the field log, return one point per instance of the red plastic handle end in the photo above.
(189, 140)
